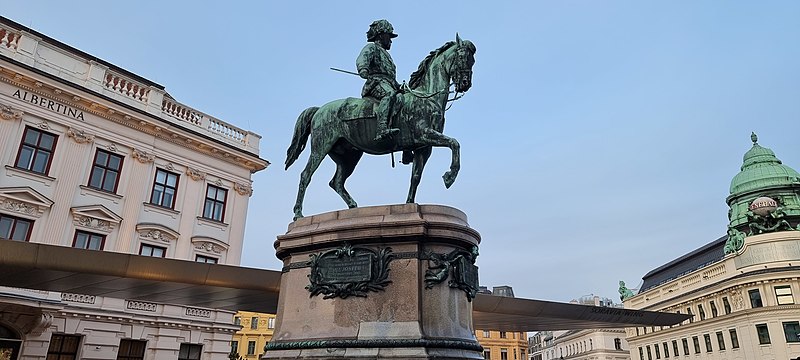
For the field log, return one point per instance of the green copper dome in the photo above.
(761, 169)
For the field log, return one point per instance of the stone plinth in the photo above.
(390, 314)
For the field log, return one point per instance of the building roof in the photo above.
(701, 257)
(133, 277)
(761, 169)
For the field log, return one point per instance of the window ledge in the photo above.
(115, 198)
(30, 175)
(211, 222)
(162, 210)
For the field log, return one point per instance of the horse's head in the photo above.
(463, 58)
(454, 62)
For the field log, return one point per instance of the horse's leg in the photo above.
(346, 161)
(434, 138)
(420, 158)
(319, 149)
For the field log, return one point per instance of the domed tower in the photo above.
(765, 197)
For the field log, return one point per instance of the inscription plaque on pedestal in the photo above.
(349, 271)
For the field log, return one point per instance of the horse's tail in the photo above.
(301, 132)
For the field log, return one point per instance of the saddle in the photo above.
(358, 108)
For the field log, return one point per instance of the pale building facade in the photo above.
(96, 157)
(257, 330)
(742, 289)
(587, 344)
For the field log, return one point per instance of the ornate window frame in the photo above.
(95, 218)
(24, 201)
(208, 246)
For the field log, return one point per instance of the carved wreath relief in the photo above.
(349, 271)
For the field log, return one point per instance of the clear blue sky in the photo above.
(598, 140)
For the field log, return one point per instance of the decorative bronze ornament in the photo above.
(349, 271)
(462, 265)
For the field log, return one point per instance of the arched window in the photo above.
(8, 333)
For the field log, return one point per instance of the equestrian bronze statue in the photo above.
(413, 115)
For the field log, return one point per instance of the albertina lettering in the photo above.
(48, 104)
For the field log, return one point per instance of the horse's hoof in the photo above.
(449, 178)
(297, 216)
(352, 206)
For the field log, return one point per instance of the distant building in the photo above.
(586, 344)
(96, 157)
(742, 289)
(256, 332)
(502, 345)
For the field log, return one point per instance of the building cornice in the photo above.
(130, 116)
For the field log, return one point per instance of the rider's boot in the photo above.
(384, 109)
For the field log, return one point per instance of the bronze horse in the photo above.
(345, 129)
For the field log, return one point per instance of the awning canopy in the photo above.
(134, 277)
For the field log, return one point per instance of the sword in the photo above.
(345, 71)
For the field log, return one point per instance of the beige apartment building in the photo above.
(96, 157)
(742, 289)
(257, 330)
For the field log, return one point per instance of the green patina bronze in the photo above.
(624, 292)
(765, 197)
(389, 117)
(459, 263)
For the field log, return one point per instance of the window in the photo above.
(658, 351)
(791, 330)
(707, 338)
(714, 311)
(214, 208)
(685, 346)
(87, 240)
(720, 340)
(763, 334)
(234, 347)
(755, 298)
(734, 339)
(696, 343)
(271, 323)
(63, 347)
(36, 151)
(701, 311)
(689, 312)
(237, 321)
(649, 354)
(14, 228)
(675, 348)
(487, 354)
(590, 344)
(150, 250)
(254, 323)
(105, 171)
(251, 348)
(131, 349)
(205, 259)
(641, 353)
(486, 334)
(503, 354)
(666, 350)
(190, 352)
(165, 186)
(784, 295)
(617, 344)
(726, 305)
(503, 335)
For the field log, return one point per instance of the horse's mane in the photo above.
(416, 77)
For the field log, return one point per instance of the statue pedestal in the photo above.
(372, 263)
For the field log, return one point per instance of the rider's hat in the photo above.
(380, 27)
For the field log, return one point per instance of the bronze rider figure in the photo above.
(376, 66)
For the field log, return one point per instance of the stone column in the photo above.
(384, 282)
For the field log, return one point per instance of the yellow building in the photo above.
(256, 332)
(502, 345)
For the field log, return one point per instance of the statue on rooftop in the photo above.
(624, 292)
(409, 117)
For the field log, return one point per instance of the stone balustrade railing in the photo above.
(126, 87)
(21, 45)
(9, 38)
